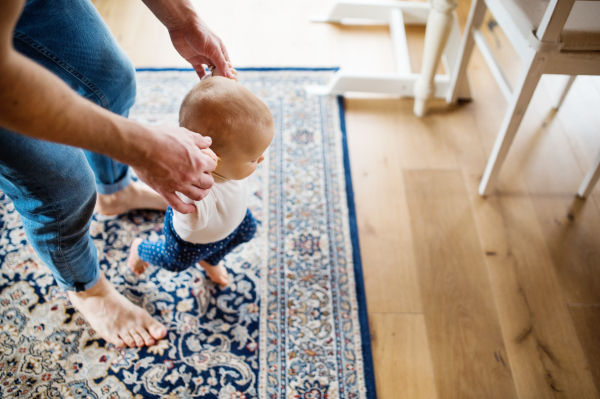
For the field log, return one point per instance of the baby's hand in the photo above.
(210, 153)
(216, 72)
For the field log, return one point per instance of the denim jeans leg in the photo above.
(69, 38)
(52, 187)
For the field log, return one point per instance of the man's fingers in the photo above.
(205, 180)
(225, 53)
(221, 63)
(201, 141)
(176, 203)
(195, 193)
(199, 68)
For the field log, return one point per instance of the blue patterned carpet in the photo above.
(292, 324)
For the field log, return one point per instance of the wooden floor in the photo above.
(467, 297)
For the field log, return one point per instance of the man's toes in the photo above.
(139, 341)
(116, 341)
(157, 331)
(148, 340)
(128, 339)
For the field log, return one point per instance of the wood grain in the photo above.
(540, 338)
(400, 349)
(587, 322)
(546, 155)
(389, 265)
(539, 335)
(464, 334)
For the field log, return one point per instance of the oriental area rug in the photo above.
(292, 322)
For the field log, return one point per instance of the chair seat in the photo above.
(581, 32)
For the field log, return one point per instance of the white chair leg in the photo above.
(563, 91)
(590, 179)
(459, 77)
(533, 68)
(438, 29)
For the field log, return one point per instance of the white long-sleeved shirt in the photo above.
(217, 215)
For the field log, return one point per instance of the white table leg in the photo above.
(563, 91)
(439, 25)
(590, 179)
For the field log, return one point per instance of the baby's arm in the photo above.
(199, 219)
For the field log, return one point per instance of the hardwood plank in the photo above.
(587, 322)
(547, 155)
(540, 338)
(401, 355)
(542, 345)
(421, 145)
(571, 227)
(462, 323)
(580, 123)
(385, 238)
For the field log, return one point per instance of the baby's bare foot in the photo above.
(137, 195)
(115, 318)
(218, 273)
(134, 262)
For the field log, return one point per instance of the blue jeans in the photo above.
(53, 186)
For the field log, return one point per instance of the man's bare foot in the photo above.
(115, 318)
(134, 262)
(218, 273)
(137, 195)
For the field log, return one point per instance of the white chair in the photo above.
(551, 37)
(442, 40)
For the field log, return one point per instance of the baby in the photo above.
(241, 127)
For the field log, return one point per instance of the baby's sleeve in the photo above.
(198, 219)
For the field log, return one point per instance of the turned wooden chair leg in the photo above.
(590, 179)
(534, 66)
(564, 90)
(467, 43)
(439, 24)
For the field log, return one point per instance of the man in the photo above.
(65, 87)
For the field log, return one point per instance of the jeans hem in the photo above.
(112, 188)
(78, 287)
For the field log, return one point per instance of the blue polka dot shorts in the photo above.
(175, 254)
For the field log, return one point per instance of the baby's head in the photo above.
(239, 123)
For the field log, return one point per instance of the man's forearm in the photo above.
(173, 14)
(36, 103)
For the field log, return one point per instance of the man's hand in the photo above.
(191, 37)
(200, 46)
(233, 75)
(171, 159)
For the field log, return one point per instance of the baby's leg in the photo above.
(168, 254)
(137, 265)
(172, 254)
(217, 273)
(144, 252)
(242, 234)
